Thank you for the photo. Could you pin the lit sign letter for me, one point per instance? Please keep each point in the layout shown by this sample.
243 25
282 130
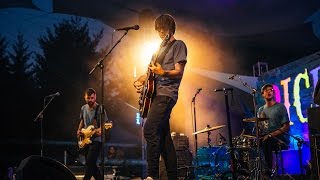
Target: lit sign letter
285 83
296 93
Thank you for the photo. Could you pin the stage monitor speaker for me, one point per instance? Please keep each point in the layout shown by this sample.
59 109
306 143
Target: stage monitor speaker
184 163
314 137
38 167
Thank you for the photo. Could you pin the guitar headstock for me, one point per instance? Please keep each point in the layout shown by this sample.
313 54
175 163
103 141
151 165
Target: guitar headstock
108 125
166 40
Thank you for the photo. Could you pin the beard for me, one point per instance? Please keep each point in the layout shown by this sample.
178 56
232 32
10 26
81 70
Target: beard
269 99
90 104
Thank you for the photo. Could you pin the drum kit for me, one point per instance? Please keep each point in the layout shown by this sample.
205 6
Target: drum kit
215 162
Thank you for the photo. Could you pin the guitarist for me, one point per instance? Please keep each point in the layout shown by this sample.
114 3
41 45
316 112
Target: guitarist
89 116
167 73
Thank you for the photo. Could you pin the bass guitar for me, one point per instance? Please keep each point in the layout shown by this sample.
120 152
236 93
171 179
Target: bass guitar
148 90
87 133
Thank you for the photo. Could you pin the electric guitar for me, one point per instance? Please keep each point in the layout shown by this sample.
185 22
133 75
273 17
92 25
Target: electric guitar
148 90
87 133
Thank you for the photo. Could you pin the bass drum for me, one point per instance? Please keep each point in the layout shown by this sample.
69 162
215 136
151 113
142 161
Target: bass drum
228 175
212 161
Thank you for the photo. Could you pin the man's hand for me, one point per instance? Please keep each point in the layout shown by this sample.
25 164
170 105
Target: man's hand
138 85
98 132
79 133
264 138
156 69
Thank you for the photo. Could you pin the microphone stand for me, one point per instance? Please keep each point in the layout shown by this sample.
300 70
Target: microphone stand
195 124
101 66
233 165
253 92
39 117
300 141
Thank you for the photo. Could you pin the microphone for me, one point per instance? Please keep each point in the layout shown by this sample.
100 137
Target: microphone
53 95
135 27
232 77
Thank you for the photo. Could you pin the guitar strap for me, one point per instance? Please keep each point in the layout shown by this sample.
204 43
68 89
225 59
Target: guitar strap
163 54
96 115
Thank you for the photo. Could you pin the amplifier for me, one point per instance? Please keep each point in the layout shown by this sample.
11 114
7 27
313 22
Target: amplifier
180 141
314 137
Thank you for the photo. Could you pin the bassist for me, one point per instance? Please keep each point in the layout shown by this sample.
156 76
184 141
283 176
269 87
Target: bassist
166 71
89 116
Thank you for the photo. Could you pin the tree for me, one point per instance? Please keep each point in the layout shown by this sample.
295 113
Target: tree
4 60
63 67
19 92
21 68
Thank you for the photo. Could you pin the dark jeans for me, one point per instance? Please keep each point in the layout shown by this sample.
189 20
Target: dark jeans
92 152
268 146
158 137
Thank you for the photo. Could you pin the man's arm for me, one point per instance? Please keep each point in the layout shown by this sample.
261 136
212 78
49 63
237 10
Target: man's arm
98 130
177 72
284 128
81 125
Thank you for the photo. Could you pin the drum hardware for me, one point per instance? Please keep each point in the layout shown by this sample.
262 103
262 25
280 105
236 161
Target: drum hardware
255 119
208 136
248 136
226 98
212 161
222 140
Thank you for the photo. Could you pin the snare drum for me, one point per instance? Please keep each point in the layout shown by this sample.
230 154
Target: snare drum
244 142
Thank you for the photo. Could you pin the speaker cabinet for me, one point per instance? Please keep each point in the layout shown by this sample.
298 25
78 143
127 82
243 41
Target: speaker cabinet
37 167
314 137
184 158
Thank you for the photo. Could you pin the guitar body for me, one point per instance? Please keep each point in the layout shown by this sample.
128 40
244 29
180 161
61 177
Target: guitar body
146 97
87 133
85 137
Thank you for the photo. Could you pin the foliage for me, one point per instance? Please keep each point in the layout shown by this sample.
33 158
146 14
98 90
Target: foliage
68 50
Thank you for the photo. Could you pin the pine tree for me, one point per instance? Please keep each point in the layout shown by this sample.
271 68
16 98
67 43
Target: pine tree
21 68
63 67
4 61
21 90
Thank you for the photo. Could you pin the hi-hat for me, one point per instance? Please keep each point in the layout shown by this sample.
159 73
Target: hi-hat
207 129
255 119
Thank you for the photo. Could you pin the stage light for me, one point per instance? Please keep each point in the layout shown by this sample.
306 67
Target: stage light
147 50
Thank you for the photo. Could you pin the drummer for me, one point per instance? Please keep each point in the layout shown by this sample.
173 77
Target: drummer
275 127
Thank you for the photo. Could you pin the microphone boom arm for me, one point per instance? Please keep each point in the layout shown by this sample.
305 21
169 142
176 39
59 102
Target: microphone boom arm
100 62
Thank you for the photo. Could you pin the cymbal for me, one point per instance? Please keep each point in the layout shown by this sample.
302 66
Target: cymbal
207 129
248 136
254 119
